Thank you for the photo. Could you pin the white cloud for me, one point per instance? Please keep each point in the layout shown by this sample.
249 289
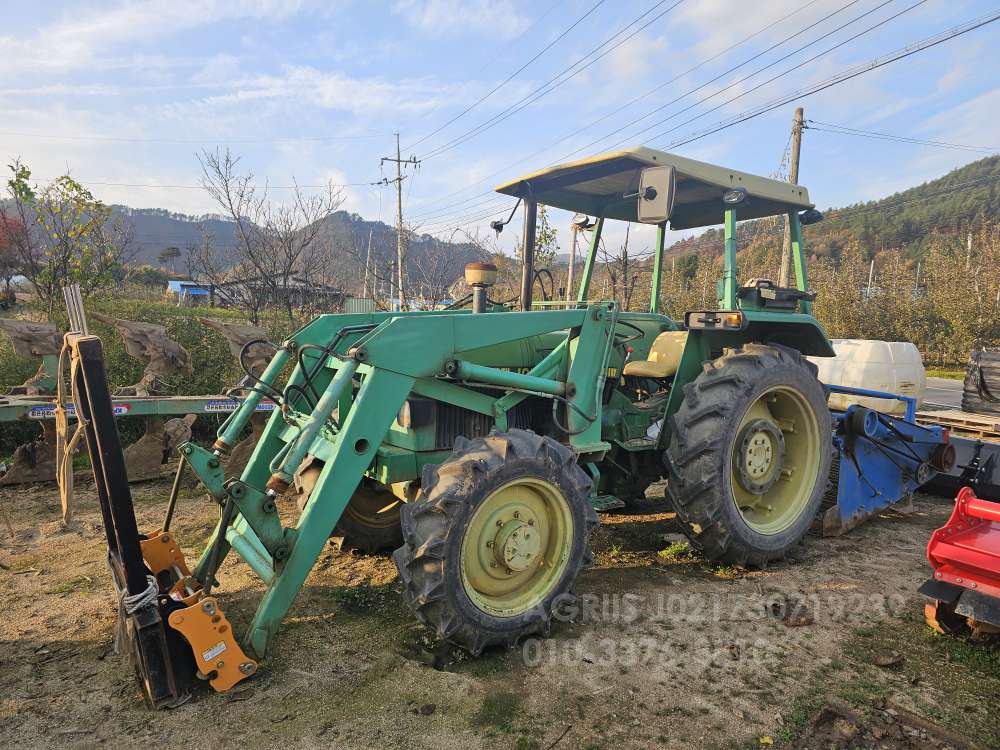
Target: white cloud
436 17
634 59
335 90
81 36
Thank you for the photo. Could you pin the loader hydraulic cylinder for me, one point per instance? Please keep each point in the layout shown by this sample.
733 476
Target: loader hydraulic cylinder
481 374
229 433
282 477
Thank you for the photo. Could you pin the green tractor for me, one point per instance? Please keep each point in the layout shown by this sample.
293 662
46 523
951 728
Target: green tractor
482 441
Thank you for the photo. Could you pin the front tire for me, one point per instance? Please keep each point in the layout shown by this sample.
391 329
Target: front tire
496 539
749 454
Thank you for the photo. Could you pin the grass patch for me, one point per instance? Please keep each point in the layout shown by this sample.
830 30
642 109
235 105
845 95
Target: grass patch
76 583
24 563
949 681
194 537
676 552
952 373
499 710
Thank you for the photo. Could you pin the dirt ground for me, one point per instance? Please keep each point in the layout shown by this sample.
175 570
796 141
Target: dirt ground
662 650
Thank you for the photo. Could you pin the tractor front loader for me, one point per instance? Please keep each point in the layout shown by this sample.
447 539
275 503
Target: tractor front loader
494 435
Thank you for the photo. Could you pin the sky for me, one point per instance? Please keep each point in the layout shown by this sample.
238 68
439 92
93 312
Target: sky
124 95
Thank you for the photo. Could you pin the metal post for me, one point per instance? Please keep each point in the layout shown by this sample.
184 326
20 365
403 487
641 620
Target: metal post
479 298
654 292
573 229
588 267
528 250
728 299
799 259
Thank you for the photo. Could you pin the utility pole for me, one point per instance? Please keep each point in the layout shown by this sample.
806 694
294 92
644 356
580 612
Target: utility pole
798 124
572 262
368 265
400 235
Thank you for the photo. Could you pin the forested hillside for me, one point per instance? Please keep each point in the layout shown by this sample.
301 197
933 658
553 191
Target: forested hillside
961 201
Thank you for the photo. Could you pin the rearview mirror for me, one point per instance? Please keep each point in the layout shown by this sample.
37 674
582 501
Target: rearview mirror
657 186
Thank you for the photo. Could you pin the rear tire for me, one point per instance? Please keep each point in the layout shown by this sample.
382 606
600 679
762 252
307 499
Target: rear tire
495 540
749 454
370 522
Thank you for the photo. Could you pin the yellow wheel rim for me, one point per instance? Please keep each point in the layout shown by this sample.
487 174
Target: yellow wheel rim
373 508
516 547
775 459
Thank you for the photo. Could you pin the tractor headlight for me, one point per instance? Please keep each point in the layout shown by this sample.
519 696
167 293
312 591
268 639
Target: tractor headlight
728 320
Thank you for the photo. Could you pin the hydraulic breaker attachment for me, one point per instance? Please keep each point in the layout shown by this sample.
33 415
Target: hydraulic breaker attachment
174 631
964 593
879 462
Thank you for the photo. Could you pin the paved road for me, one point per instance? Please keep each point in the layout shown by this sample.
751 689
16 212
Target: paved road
943 392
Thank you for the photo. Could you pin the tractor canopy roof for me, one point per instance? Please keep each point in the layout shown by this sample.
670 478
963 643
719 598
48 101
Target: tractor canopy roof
598 186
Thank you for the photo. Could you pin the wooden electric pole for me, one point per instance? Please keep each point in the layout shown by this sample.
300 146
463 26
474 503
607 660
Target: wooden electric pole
798 124
400 234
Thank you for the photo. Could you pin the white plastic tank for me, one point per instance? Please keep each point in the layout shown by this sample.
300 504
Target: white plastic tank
890 366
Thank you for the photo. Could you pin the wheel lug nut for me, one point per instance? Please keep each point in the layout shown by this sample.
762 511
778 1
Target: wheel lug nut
489 543
517 514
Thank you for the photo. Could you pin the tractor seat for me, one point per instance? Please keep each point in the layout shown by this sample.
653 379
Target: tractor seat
664 357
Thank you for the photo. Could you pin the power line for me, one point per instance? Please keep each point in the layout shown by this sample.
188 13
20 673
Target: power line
555 81
860 210
792 69
969 26
737 82
441 211
508 44
757 56
875 135
696 244
835 80
844 76
509 78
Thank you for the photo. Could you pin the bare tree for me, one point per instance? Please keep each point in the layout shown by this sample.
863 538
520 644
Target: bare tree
624 270
277 251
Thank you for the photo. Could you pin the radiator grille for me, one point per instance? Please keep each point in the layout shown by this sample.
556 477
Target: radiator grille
453 421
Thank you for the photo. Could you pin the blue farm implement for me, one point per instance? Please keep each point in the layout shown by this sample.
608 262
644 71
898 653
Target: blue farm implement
879 461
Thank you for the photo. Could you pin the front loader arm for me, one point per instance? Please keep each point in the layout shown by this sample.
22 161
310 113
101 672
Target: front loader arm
368 365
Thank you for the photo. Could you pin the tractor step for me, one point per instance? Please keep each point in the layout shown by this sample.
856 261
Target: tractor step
602 503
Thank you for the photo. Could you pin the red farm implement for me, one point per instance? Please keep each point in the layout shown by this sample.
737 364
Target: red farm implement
965 554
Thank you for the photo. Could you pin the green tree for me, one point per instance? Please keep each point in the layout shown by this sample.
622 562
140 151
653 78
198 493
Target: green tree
168 257
546 240
62 235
